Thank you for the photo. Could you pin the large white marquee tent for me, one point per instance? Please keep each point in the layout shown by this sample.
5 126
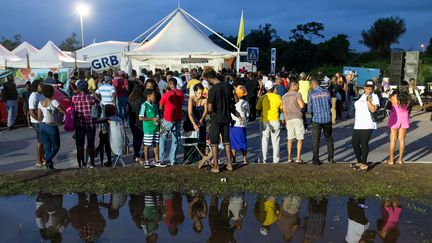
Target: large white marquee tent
50 56
178 42
25 49
6 57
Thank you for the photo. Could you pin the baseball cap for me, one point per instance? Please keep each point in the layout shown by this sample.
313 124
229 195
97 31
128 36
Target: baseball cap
369 83
268 85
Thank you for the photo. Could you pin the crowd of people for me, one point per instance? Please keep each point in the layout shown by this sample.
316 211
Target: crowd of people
215 107
225 216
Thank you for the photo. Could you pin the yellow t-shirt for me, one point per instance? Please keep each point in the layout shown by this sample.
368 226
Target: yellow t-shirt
304 87
272 213
270 106
192 82
91 84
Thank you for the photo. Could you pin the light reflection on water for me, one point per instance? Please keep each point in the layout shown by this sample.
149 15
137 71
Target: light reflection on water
195 217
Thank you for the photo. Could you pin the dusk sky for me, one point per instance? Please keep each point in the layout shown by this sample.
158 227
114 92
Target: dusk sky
41 20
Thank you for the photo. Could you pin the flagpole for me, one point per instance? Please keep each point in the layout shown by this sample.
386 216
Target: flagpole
239 40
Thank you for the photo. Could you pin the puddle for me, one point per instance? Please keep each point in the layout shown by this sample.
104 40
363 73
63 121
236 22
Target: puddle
194 217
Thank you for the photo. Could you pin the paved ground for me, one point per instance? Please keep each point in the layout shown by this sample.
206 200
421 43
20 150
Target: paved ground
17 147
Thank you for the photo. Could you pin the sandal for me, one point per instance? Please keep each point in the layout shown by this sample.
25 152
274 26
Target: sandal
390 163
229 167
300 161
400 162
214 170
363 167
290 161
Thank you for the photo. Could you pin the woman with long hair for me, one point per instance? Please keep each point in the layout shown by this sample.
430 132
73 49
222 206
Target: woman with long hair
48 117
398 122
135 100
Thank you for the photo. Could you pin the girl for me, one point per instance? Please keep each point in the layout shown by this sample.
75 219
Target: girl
136 99
197 112
398 122
238 131
48 117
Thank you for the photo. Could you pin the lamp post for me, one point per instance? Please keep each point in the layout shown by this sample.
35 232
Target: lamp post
82 10
422 46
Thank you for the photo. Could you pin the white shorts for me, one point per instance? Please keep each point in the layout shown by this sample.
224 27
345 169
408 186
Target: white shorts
295 129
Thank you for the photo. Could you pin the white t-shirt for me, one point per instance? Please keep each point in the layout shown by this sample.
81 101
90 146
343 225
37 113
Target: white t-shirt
363 119
45 110
355 231
34 100
162 86
242 107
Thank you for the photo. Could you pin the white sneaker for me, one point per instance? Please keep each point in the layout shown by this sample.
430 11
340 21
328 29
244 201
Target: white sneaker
146 165
159 164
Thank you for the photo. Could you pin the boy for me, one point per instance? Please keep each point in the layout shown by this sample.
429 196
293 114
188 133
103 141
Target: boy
150 117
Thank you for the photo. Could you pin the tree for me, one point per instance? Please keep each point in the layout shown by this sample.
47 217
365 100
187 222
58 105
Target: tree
429 48
70 44
309 31
382 34
11 44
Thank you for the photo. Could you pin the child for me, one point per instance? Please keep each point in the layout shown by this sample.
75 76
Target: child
149 114
238 131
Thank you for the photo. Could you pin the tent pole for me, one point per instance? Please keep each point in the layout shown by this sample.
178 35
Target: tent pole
154 26
208 28
238 59
28 61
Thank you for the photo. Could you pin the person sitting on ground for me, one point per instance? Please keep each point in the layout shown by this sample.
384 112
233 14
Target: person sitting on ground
150 116
292 109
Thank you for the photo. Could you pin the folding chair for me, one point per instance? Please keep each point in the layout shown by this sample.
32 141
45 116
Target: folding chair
189 155
118 141
207 160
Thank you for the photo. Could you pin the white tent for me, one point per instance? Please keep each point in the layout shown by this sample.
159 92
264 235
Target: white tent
50 56
25 49
104 55
6 57
180 43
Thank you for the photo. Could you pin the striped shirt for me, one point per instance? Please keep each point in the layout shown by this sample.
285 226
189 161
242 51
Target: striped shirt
319 104
106 92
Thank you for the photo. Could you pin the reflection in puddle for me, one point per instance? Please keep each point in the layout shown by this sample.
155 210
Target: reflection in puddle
195 217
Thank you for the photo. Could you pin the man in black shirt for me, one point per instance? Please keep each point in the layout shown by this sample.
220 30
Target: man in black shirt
220 98
252 87
10 95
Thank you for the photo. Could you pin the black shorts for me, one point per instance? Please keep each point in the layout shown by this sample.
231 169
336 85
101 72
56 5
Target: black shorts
82 133
216 130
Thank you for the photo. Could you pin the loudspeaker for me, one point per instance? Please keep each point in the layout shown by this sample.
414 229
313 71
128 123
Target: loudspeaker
411 65
397 67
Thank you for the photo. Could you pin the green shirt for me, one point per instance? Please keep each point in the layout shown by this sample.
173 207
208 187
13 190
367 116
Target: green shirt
149 110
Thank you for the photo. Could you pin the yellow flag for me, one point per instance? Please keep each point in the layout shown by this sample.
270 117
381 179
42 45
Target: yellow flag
240 36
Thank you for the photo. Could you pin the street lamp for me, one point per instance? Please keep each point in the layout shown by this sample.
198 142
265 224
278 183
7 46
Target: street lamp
422 46
82 10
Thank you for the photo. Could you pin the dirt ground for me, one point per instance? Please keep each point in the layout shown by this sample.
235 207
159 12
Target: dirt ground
411 180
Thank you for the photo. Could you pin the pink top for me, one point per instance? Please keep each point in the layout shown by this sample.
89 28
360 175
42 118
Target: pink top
390 216
399 117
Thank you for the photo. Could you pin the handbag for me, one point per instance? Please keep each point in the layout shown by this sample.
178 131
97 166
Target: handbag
380 114
53 116
96 111
70 120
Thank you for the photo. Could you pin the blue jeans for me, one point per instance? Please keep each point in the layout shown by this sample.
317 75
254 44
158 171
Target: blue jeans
12 109
169 127
121 107
50 137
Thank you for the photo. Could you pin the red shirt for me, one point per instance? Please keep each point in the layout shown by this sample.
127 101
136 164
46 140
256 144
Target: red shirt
120 85
172 102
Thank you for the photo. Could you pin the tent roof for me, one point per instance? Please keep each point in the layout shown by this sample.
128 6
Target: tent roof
50 56
6 55
23 49
180 37
103 48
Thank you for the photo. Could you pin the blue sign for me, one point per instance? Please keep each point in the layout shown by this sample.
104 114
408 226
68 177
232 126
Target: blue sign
252 54
362 74
105 62
273 61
